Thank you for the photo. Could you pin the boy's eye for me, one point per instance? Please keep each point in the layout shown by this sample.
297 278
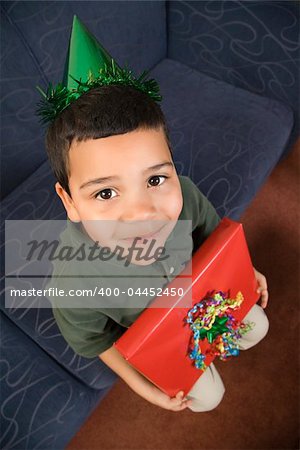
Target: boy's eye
105 194
156 179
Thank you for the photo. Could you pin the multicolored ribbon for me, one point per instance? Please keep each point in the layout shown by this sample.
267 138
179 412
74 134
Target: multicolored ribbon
211 319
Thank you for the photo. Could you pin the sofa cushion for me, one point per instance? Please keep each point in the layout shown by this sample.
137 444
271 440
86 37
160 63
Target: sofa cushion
40 407
252 45
225 138
35 43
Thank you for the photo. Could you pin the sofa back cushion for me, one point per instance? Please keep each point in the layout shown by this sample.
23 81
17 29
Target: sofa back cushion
251 45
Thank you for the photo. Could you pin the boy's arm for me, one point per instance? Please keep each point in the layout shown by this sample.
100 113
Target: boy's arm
139 384
80 328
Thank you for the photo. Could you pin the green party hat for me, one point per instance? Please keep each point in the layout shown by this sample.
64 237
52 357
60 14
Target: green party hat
85 55
88 65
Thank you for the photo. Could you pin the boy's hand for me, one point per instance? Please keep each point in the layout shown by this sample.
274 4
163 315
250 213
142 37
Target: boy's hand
140 384
262 287
177 403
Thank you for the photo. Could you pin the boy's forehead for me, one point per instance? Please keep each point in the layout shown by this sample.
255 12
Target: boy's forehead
137 135
144 146
147 140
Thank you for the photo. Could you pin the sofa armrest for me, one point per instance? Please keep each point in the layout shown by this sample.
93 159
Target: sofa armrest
42 406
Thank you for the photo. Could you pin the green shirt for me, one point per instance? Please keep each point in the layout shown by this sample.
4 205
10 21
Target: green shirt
91 331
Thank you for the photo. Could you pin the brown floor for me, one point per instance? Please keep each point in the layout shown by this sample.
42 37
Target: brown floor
260 407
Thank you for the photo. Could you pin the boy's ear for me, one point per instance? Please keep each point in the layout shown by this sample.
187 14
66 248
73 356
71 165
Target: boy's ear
68 203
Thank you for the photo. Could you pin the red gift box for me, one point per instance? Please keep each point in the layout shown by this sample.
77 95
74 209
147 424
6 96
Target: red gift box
157 343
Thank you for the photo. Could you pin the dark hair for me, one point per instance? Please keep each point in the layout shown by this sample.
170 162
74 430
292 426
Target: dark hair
101 112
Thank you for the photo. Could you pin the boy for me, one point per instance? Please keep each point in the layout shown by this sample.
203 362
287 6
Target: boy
111 155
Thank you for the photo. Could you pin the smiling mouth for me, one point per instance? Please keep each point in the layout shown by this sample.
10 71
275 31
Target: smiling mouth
145 236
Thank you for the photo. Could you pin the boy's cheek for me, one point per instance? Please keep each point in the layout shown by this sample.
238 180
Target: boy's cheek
99 230
174 203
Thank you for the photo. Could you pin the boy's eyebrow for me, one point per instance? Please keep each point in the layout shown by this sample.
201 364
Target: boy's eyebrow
114 177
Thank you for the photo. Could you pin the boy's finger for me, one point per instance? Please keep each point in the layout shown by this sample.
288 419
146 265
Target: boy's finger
179 394
262 290
187 403
264 301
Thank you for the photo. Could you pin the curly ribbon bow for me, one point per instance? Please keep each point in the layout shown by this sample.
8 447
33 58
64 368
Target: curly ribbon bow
214 322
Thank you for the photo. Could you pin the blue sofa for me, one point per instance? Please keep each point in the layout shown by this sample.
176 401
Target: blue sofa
228 77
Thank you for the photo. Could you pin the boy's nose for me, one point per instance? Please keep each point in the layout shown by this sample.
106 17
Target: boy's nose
139 210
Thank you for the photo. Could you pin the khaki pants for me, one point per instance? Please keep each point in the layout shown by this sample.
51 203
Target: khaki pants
209 389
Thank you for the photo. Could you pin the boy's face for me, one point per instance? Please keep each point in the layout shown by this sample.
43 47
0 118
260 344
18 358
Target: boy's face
114 179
